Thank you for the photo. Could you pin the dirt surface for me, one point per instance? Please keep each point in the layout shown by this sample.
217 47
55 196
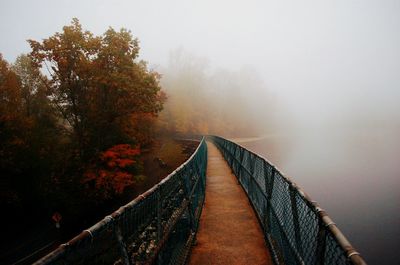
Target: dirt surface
229 231
165 156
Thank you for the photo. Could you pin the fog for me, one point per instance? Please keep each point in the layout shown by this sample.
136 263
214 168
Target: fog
322 78
203 100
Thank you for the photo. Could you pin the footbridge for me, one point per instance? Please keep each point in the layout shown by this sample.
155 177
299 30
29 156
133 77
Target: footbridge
224 205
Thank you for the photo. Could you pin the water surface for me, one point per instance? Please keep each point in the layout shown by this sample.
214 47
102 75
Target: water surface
354 174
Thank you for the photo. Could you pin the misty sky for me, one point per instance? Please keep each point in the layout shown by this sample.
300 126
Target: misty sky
325 59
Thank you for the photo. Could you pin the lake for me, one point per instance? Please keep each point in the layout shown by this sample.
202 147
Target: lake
353 173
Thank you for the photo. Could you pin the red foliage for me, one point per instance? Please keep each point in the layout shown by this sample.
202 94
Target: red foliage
113 173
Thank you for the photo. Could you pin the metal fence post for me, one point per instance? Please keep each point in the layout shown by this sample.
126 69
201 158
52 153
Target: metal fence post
295 214
159 229
321 243
269 188
122 246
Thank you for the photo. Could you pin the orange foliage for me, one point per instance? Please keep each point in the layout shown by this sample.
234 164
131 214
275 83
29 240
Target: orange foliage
97 83
141 127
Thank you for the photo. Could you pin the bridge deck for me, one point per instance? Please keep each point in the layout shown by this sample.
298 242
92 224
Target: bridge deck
229 231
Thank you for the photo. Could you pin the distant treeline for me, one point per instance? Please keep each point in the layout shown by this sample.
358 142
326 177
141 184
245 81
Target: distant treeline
204 100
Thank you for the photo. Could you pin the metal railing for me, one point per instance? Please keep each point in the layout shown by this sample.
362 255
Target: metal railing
296 229
158 226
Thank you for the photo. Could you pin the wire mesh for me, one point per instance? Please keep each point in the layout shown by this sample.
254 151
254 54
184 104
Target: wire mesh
297 230
158 227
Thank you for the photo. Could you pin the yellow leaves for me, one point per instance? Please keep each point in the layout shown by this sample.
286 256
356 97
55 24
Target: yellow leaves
10 90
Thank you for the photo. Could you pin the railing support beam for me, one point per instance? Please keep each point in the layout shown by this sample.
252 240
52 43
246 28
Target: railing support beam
321 244
122 246
296 223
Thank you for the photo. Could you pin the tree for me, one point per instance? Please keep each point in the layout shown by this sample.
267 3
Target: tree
44 134
28 134
10 91
97 83
13 125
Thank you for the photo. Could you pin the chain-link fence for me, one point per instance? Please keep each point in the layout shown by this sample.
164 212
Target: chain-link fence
158 227
297 230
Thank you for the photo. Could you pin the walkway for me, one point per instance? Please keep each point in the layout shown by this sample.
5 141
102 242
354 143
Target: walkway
229 231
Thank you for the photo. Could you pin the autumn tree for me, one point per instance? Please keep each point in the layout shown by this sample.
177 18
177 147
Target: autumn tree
97 84
11 123
103 94
29 137
44 135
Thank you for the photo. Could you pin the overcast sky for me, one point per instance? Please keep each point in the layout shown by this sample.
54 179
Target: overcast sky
320 56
